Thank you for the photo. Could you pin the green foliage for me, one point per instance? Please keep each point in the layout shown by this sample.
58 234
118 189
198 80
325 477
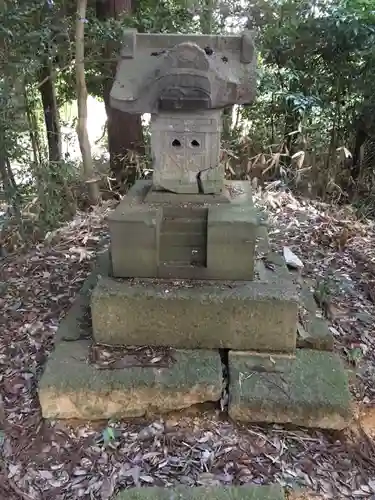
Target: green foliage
316 71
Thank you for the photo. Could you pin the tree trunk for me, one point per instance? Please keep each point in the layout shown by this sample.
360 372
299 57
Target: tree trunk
125 132
84 143
206 17
360 139
51 113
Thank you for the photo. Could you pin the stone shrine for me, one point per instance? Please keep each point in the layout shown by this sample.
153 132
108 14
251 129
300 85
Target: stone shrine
183 276
186 223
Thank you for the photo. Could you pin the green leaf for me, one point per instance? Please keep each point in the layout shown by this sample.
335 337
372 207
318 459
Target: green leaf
2 438
108 435
355 355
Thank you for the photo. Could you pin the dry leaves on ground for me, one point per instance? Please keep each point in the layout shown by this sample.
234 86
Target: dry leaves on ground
47 460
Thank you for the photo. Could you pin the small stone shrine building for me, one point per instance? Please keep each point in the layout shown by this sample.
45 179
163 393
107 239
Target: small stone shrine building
183 273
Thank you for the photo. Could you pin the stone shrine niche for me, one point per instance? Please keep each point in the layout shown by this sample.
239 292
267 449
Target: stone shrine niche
185 149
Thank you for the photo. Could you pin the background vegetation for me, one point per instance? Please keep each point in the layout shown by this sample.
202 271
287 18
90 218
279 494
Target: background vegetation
312 128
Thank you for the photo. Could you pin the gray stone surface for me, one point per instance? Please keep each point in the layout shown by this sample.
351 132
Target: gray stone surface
163 71
307 299
312 391
76 323
184 145
272 266
313 330
315 334
262 240
72 388
237 315
248 492
226 230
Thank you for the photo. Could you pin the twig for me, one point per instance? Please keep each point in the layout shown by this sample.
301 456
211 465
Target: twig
40 84
17 490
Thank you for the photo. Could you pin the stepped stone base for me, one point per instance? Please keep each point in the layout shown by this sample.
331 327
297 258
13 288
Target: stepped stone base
273 492
201 315
311 391
71 388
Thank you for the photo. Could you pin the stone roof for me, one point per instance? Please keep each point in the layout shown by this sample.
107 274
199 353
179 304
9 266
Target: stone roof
188 72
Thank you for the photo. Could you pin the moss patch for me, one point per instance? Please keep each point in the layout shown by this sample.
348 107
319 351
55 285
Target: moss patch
313 391
72 388
317 335
222 493
236 315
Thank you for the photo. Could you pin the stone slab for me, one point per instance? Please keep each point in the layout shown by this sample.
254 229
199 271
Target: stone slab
76 323
252 492
307 299
315 334
196 315
314 392
271 266
235 192
71 388
262 240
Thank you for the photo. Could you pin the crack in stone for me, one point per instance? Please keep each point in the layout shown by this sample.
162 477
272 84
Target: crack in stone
199 179
224 400
199 183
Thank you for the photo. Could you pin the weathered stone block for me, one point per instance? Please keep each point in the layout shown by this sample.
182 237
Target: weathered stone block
199 238
307 299
72 388
312 392
231 238
316 335
184 145
238 315
76 323
252 492
134 234
262 240
232 262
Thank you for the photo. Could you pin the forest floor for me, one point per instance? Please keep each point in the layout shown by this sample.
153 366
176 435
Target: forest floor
50 460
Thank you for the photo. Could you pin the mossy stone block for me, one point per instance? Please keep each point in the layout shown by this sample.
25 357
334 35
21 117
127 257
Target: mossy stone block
273 492
317 335
76 322
198 315
313 392
307 299
72 388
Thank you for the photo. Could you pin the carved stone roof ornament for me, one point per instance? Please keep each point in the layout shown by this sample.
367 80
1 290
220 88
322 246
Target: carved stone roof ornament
184 72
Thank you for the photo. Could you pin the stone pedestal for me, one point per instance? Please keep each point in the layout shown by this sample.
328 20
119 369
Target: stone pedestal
165 235
184 275
269 379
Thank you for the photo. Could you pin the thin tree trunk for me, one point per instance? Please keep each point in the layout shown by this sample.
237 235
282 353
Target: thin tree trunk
206 18
125 132
84 143
51 113
4 177
37 164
